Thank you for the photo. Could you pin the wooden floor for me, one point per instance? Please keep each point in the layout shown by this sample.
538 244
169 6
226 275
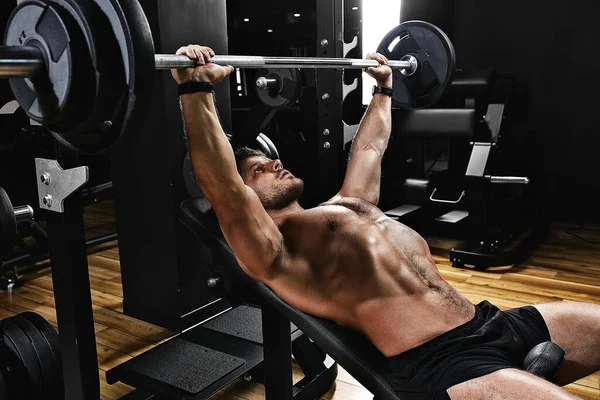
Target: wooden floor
564 268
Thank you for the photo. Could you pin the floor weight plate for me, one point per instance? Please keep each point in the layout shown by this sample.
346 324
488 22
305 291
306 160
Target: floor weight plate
22 346
3 388
51 380
12 371
49 333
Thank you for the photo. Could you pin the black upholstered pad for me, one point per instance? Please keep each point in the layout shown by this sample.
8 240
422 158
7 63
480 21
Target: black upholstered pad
429 122
349 348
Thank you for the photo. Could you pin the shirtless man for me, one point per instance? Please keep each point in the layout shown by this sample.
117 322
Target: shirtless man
346 261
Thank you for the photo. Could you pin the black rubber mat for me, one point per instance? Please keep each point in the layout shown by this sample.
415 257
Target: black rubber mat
184 365
244 322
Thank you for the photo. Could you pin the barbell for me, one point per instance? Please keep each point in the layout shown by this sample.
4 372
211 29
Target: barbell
84 69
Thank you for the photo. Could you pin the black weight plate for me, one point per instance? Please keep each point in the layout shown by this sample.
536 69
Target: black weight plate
3 388
287 91
8 224
132 30
45 357
23 348
96 132
51 336
60 94
12 371
437 61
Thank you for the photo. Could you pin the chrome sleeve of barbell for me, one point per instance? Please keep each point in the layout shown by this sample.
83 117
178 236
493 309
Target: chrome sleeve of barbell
393 64
267 83
519 180
23 213
20 61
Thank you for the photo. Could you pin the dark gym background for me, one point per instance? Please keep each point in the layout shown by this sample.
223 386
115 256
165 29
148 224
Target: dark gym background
550 47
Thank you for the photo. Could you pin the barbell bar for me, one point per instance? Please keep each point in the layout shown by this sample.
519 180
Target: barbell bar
26 61
168 61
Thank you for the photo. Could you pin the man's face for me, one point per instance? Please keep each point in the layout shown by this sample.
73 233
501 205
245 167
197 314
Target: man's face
275 186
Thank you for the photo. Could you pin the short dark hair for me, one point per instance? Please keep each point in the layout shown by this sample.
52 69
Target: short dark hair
243 153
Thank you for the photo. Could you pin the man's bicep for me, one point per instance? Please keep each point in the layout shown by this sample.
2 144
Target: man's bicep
363 176
251 233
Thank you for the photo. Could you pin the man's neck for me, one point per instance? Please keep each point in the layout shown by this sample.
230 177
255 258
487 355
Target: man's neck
284 212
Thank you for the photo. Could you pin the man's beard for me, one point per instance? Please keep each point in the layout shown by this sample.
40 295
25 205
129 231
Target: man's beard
283 198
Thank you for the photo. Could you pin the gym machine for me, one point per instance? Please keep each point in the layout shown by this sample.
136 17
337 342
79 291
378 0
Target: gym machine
466 199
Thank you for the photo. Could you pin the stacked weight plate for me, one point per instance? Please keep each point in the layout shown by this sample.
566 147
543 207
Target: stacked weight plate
30 364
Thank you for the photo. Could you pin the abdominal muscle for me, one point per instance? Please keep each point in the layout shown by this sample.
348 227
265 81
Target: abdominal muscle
370 274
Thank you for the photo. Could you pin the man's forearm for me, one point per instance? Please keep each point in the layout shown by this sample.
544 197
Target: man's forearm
376 125
212 157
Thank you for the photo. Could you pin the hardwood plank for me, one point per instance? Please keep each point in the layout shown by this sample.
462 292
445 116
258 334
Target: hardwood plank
135 327
112 392
123 342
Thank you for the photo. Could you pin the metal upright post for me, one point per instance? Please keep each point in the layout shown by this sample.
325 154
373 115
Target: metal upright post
278 355
59 192
330 32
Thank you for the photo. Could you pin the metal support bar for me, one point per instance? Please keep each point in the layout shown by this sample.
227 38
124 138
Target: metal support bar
70 277
36 256
519 180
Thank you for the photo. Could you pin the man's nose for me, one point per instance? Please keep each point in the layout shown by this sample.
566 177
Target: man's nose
276 165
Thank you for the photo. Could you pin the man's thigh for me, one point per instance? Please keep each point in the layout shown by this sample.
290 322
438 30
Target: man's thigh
508 384
575 327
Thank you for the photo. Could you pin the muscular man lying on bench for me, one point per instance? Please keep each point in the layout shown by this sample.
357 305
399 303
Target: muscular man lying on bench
346 261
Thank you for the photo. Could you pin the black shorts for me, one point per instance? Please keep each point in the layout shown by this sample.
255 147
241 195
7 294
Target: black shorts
491 341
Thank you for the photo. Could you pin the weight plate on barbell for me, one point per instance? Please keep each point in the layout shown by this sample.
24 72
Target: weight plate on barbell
136 49
436 57
287 90
60 95
94 133
8 224
52 382
22 347
107 77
